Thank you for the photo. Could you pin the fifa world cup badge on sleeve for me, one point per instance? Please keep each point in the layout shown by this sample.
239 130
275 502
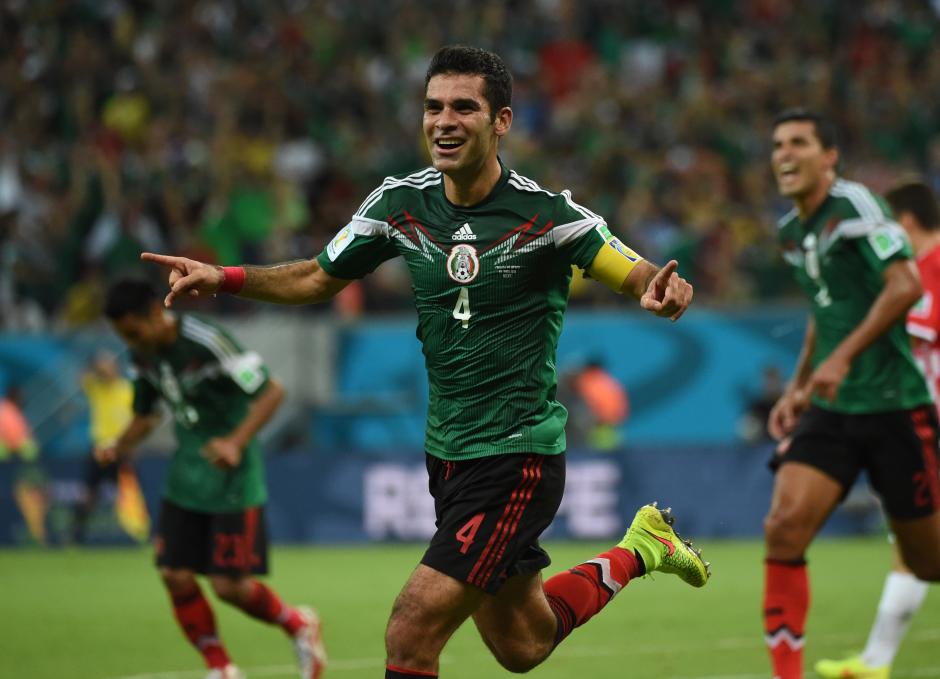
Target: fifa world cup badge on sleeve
885 240
340 242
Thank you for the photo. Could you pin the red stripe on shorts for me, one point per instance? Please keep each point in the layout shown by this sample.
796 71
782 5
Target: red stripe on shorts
520 508
928 443
251 530
508 522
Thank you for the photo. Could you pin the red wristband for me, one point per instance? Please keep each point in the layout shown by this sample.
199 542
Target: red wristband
233 279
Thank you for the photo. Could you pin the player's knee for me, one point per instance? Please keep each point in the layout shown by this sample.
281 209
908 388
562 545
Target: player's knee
924 567
403 636
785 532
227 589
520 658
177 581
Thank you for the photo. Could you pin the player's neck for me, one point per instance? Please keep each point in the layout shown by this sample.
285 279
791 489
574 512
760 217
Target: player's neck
471 189
924 242
808 204
170 327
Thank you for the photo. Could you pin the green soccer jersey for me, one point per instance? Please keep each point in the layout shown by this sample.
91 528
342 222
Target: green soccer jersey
839 256
490 285
208 382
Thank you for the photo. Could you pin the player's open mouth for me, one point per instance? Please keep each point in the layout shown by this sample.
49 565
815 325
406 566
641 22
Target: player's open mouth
788 171
448 144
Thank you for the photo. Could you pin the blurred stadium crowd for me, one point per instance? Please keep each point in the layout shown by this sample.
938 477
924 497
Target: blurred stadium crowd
250 130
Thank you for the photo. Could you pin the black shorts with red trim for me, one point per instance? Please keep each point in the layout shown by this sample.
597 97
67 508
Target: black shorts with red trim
898 449
231 543
490 513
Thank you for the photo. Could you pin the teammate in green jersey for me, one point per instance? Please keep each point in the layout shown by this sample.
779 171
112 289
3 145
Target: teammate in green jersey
857 400
490 255
212 516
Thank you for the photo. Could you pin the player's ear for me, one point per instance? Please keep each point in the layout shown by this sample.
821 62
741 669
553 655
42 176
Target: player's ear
503 121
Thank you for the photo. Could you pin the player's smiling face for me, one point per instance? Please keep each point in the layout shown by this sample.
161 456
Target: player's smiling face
800 163
459 128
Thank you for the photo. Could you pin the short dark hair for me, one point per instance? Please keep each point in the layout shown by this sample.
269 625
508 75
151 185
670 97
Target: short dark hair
919 200
129 297
825 130
465 60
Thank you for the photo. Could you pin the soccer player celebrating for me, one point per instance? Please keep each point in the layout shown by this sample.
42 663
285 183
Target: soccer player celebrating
915 209
490 255
212 517
857 400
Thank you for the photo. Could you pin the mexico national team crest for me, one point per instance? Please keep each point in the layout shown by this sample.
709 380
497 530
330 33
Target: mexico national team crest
463 265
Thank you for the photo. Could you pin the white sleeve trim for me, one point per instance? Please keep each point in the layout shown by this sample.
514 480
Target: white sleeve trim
565 233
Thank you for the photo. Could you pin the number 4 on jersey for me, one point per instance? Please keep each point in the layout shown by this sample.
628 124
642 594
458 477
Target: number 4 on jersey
462 308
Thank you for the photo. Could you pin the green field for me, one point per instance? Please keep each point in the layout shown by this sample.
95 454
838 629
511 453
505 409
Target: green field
101 614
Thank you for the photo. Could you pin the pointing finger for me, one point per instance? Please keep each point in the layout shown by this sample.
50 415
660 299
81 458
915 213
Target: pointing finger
165 260
665 273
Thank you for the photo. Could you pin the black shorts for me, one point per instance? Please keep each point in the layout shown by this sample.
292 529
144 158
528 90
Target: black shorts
231 543
898 449
490 513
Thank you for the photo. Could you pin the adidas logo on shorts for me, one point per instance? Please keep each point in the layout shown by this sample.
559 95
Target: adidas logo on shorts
464 233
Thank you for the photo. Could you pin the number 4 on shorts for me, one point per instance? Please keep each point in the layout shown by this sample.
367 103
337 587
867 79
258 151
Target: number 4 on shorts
466 534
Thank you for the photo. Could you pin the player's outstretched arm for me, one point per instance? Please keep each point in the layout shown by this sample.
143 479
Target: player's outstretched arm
795 398
660 291
301 282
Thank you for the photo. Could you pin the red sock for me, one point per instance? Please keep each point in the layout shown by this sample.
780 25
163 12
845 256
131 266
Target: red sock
195 617
264 604
786 603
392 672
578 594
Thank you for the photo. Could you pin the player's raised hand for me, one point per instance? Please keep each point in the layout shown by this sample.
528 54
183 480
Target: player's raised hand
187 276
668 294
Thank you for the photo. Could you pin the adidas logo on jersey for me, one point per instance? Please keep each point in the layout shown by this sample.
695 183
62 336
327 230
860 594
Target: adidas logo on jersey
464 233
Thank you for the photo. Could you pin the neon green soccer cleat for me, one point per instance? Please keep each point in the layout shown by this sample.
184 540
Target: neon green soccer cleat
662 549
851 668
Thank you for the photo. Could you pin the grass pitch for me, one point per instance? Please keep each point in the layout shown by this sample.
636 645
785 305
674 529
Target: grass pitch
102 614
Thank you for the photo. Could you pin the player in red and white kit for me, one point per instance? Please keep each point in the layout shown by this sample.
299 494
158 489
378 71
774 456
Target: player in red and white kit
915 208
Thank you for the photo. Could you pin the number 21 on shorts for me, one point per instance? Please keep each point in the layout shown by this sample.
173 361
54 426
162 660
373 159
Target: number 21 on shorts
462 308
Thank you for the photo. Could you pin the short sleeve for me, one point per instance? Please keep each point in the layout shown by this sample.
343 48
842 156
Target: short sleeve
245 368
883 243
579 241
358 249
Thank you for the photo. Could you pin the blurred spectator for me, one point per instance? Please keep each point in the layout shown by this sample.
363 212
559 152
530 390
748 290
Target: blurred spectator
248 131
597 406
18 447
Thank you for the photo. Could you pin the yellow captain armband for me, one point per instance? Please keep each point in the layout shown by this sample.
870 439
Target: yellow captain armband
613 263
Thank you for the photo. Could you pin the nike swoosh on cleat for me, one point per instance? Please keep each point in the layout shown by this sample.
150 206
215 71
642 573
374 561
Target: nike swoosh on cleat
672 547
